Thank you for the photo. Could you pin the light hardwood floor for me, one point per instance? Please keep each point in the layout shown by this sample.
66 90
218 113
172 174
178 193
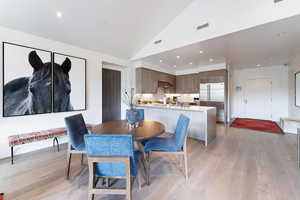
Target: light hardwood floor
239 164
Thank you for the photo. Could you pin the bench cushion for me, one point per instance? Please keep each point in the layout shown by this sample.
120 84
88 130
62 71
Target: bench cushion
19 139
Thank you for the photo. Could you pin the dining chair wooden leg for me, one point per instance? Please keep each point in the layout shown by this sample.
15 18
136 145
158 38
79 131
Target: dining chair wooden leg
148 167
107 182
185 159
128 181
69 164
186 166
138 179
82 156
92 180
139 175
91 196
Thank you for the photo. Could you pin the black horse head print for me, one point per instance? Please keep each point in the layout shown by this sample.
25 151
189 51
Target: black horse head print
33 95
62 86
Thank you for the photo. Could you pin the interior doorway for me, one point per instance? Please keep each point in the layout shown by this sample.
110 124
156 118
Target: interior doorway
111 95
258 99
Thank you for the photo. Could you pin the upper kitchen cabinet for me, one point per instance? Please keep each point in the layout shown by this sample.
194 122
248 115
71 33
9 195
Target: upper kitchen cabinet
168 81
216 76
187 84
148 81
164 77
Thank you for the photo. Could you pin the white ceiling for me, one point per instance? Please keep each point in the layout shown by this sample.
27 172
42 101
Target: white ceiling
270 44
116 27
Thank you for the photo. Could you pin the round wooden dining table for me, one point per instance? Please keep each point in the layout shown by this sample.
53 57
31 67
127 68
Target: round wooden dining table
146 129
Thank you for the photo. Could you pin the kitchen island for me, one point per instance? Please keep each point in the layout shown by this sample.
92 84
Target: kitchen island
202 119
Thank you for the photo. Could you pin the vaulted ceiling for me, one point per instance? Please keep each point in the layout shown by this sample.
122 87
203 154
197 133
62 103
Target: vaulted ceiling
275 43
128 29
116 27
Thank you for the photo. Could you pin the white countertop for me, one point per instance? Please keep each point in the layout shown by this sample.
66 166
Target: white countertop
173 107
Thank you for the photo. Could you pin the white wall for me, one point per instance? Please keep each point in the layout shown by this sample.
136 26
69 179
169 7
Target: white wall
201 69
280 96
93 114
166 69
224 17
293 68
294 111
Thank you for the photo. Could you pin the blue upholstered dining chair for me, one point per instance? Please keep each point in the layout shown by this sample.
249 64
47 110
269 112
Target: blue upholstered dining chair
173 145
111 156
76 130
141 114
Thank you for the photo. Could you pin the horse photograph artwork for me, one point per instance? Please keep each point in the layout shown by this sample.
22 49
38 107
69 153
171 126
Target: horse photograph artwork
35 82
27 80
69 83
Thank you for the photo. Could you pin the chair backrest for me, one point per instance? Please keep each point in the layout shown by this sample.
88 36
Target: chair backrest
76 129
109 145
181 131
141 114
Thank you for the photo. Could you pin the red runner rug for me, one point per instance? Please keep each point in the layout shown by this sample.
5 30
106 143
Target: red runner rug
257 125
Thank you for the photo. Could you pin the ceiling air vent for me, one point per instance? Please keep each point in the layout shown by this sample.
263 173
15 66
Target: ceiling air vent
277 1
202 26
157 41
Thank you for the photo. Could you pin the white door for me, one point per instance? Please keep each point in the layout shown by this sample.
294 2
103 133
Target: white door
258 99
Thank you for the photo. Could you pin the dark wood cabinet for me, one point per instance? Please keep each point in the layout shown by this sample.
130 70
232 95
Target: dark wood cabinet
216 76
187 84
147 81
169 78
179 83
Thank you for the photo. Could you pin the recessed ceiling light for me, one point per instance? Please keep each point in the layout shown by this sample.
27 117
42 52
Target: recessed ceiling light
258 65
160 61
59 14
211 60
202 26
175 66
201 52
277 1
191 63
281 34
157 41
177 57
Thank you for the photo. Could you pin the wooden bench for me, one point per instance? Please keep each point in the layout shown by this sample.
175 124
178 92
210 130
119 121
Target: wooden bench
283 119
36 136
288 119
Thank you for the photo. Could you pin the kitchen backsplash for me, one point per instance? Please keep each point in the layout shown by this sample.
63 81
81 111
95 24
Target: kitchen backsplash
160 97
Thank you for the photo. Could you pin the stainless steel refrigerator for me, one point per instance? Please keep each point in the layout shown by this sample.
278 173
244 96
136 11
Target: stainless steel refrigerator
213 94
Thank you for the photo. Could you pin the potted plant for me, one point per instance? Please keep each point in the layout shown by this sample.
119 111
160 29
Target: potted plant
132 114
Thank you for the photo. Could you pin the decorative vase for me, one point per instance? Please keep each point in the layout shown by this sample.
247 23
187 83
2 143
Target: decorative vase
132 116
